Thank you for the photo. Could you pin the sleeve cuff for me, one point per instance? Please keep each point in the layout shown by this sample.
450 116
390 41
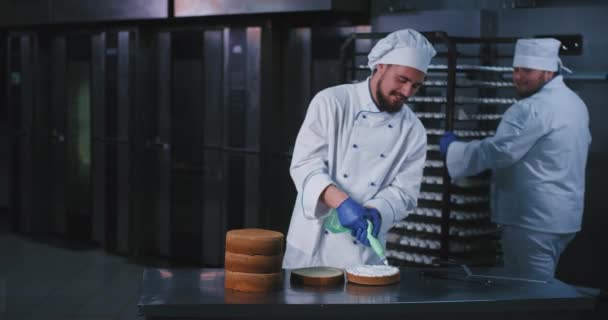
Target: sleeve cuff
313 186
386 211
455 159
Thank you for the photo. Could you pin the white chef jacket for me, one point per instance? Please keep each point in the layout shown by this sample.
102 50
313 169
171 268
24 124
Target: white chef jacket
538 157
377 158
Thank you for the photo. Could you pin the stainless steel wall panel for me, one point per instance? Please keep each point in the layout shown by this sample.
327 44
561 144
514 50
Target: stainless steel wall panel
252 192
110 141
187 114
161 144
297 94
144 208
25 132
39 134
241 176
186 216
94 10
5 143
78 138
58 147
214 214
242 115
4 75
213 60
21 13
98 166
123 199
236 89
189 8
123 84
123 167
111 179
466 23
187 91
253 79
351 6
280 201
242 120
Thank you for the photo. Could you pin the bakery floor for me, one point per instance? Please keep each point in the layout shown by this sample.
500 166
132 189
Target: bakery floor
46 278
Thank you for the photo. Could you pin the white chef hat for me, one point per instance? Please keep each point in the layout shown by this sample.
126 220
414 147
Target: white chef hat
403 47
538 54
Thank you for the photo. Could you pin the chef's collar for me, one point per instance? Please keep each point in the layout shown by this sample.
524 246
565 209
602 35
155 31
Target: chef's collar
365 96
364 91
554 82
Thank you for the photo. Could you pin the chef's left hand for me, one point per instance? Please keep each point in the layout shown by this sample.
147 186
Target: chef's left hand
445 141
361 235
373 215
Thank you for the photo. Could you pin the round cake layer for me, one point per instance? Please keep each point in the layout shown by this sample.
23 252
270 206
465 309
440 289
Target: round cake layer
255 241
373 275
317 276
368 270
253 263
253 282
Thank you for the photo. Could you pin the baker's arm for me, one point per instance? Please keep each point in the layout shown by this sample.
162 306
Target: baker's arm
520 128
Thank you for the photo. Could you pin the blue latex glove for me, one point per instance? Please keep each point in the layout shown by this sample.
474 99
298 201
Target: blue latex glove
372 215
361 236
350 214
445 142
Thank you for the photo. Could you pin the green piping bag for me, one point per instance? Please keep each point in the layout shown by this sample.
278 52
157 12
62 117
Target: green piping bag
332 223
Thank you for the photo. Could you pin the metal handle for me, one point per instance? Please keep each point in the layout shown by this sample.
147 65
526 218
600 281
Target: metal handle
111 140
20 133
157 142
57 136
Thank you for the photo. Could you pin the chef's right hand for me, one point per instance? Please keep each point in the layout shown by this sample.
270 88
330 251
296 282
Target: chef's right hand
350 214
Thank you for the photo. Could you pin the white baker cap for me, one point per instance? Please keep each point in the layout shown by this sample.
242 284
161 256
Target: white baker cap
404 47
538 54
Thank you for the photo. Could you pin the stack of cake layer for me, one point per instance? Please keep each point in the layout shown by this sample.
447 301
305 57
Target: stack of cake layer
253 260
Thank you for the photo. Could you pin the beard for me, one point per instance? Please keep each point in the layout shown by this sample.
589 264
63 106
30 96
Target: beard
384 102
522 94
533 86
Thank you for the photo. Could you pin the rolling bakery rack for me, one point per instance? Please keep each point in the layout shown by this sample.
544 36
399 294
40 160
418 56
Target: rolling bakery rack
467 89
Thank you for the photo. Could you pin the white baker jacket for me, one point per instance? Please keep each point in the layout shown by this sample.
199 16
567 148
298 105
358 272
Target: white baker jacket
377 158
538 157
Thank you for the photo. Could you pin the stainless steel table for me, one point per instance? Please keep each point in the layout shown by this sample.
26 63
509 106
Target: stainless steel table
421 294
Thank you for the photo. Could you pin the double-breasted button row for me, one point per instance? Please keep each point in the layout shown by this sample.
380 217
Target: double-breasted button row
356 146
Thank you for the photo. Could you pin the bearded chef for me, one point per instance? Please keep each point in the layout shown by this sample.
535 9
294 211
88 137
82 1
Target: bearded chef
359 155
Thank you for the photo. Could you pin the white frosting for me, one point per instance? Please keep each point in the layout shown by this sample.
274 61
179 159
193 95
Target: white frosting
373 270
